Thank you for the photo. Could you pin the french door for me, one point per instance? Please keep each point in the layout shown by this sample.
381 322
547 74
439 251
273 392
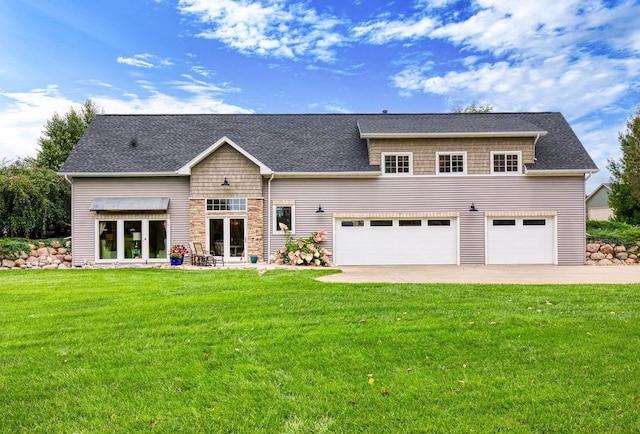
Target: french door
131 240
227 237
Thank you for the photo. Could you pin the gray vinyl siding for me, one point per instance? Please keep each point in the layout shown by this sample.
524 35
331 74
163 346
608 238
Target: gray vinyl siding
563 196
86 189
472 245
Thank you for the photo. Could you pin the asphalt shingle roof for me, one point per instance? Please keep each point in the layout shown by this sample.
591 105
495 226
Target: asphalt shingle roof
296 142
446 123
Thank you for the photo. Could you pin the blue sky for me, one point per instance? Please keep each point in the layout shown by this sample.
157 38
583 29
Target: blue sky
579 57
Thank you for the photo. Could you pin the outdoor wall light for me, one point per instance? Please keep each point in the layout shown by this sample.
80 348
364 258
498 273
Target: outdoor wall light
225 183
319 209
473 207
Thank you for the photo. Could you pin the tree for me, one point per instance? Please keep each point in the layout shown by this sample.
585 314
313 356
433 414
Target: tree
624 198
34 200
61 134
473 108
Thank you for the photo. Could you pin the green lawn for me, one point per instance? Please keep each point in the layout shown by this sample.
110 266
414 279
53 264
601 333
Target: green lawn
234 352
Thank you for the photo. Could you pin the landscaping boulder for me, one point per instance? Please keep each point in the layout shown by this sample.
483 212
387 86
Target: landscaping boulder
7 263
598 256
593 247
622 256
605 262
619 249
606 249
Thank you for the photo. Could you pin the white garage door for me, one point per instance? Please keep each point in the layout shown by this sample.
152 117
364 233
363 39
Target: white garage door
520 240
396 241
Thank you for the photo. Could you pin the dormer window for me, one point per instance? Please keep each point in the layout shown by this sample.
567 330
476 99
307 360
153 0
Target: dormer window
505 163
397 163
451 163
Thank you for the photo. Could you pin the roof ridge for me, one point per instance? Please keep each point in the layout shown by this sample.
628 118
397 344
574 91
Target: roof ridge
322 114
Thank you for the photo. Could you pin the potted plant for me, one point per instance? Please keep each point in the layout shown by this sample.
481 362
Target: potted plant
176 254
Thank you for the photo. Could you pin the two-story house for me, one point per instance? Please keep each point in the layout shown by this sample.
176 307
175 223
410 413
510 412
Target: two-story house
474 188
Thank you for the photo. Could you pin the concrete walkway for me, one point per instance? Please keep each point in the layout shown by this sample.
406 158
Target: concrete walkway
525 274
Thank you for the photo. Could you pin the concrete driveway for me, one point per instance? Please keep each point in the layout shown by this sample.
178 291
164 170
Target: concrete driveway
526 274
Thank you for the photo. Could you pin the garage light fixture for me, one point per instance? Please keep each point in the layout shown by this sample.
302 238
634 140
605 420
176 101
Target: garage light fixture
319 209
473 207
225 183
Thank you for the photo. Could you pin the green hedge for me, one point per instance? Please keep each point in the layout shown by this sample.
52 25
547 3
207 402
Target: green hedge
612 232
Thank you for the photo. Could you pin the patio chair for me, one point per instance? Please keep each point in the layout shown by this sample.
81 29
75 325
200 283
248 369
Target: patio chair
218 251
204 258
195 259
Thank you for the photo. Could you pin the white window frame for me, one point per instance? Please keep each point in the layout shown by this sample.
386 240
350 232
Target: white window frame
239 202
144 246
505 153
451 153
383 156
276 229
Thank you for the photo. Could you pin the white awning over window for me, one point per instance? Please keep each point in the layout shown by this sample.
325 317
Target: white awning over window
120 204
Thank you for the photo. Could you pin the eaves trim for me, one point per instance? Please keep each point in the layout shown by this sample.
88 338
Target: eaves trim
559 172
368 174
186 169
453 135
117 174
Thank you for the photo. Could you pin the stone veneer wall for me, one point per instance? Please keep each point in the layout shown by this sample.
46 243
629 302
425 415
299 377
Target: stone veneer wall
197 231
255 223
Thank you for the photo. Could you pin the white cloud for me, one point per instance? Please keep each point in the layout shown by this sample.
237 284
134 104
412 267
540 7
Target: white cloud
336 107
145 60
382 32
201 70
200 87
267 28
524 29
161 103
22 119
557 83
433 3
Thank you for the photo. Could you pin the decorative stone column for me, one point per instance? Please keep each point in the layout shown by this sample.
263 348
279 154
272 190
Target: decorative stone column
197 221
255 229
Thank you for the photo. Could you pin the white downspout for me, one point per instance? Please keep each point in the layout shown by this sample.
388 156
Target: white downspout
534 146
273 174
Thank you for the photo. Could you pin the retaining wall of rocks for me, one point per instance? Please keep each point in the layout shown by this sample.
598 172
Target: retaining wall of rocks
59 256
611 254
41 256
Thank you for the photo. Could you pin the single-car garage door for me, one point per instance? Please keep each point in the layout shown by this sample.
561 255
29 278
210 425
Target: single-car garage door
385 241
520 240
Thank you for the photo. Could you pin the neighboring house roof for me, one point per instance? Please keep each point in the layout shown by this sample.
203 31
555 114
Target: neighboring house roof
300 143
606 186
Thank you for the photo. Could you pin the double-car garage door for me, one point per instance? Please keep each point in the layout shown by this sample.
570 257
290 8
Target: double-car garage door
396 241
436 240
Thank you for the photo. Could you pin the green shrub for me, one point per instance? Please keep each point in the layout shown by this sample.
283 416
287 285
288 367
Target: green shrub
613 232
10 248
